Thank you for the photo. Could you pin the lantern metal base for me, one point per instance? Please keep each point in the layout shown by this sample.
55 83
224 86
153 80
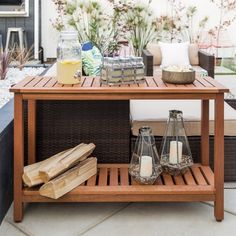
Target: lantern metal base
176 169
134 171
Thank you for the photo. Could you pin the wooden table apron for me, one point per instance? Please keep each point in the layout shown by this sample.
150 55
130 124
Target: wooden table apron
203 95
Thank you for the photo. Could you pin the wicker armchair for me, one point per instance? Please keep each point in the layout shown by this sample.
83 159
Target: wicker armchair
206 61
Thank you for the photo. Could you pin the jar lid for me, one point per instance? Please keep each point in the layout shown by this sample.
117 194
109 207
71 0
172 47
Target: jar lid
69 34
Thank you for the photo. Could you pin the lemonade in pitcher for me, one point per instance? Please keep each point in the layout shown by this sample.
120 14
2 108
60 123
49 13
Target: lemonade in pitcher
69 71
69 62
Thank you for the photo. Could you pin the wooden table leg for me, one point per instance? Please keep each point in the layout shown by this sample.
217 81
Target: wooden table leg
205 133
31 131
219 157
18 156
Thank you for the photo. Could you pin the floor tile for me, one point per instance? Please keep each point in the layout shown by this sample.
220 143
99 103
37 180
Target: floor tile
7 229
152 219
63 219
229 201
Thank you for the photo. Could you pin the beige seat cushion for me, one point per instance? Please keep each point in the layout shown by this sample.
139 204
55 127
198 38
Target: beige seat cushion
154 113
155 50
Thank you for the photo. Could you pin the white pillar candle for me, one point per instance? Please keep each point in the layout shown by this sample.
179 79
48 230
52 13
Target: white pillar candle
146 166
173 157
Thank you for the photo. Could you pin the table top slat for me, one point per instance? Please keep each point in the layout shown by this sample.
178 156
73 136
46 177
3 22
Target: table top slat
92 85
180 86
51 82
58 85
173 85
198 84
43 82
143 84
33 82
151 82
106 86
24 82
88 82
214 83
68 85
190 85
205 82
159 82
79 85
96 82
133 85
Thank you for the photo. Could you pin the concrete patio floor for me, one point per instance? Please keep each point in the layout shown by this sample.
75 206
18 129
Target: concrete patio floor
129 219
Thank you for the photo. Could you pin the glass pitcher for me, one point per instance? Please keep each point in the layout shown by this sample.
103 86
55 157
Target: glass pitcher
69 62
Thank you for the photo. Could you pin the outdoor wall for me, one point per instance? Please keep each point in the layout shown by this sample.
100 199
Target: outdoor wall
49 35
26 22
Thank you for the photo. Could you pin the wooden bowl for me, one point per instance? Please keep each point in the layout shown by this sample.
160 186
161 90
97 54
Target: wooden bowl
174 77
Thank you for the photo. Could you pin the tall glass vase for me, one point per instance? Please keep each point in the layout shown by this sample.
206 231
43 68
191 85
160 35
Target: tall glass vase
145 164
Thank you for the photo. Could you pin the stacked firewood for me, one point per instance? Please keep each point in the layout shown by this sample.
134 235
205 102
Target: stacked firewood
62 172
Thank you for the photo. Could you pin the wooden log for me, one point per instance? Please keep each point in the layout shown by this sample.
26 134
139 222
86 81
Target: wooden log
55 168
70 179
31 175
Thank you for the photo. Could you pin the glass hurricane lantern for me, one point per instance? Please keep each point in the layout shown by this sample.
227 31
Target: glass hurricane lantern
176 155
145 165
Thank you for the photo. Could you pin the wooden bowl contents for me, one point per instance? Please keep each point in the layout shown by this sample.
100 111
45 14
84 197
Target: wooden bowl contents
178 75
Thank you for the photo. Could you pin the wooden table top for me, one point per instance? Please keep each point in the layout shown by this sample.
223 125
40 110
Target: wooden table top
92 85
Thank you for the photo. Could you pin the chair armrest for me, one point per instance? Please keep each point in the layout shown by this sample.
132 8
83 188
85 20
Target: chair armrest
207 62
148 62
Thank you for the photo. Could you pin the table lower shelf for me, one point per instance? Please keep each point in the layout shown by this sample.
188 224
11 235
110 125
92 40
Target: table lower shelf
113 184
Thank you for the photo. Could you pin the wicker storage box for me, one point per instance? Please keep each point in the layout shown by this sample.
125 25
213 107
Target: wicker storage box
64 124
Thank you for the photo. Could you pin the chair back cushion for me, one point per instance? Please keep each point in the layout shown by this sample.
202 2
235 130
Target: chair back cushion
155 50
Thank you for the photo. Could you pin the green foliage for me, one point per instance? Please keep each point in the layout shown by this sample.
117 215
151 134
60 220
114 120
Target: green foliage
141 26
105 27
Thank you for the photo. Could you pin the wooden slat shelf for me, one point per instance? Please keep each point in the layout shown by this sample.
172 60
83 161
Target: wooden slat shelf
114 181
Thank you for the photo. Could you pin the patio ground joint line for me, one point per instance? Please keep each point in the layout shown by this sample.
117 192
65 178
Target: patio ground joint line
16 226
227 211
104 219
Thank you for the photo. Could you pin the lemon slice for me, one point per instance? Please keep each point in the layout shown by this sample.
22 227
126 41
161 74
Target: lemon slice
69 62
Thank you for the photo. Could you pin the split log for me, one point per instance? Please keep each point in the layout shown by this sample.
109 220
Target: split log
70 179
55 168
31 175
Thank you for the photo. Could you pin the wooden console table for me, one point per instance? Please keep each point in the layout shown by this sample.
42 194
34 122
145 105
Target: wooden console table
112 183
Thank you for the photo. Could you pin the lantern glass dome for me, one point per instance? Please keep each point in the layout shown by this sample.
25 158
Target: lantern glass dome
175 152
145 165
